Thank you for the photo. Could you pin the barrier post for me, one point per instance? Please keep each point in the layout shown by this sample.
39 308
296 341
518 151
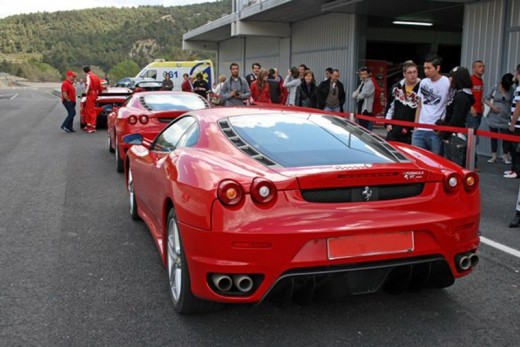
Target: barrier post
351 117
471 149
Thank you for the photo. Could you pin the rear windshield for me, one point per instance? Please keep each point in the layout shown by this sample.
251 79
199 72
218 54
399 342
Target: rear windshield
173 101
303 140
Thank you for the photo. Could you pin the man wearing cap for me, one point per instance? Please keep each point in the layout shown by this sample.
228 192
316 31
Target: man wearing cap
68 98
93 87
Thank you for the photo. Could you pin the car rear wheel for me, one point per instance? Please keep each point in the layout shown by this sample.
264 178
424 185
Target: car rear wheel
119 161
184 302
131 193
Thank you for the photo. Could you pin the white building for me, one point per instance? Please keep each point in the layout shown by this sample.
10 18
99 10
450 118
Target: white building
344 34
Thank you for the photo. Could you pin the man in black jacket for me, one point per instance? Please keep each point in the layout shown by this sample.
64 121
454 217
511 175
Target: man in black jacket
331 93
403 104
252 76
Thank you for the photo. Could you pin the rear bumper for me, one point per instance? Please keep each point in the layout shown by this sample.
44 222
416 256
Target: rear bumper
296 254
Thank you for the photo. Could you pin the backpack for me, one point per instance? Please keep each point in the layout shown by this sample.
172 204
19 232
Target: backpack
377 108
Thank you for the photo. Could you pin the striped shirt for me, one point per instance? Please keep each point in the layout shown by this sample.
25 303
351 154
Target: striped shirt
516 98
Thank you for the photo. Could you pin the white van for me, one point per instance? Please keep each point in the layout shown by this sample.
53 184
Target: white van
176 69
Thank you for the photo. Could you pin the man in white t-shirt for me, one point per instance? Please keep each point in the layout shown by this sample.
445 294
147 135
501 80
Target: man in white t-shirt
433 96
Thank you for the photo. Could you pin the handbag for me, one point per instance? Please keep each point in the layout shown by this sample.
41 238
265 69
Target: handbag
487 108
215 100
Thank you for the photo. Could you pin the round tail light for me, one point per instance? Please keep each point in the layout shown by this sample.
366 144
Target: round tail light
263 191
132 120
452 182
230 193
143 119
470 181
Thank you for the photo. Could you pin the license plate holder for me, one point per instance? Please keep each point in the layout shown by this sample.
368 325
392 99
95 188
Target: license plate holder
362 245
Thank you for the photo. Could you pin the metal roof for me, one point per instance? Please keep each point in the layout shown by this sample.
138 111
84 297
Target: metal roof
447 15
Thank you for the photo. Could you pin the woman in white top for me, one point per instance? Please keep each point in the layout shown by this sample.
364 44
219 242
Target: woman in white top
217 87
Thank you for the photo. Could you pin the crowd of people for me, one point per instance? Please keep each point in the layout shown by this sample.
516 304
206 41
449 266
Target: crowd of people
455 100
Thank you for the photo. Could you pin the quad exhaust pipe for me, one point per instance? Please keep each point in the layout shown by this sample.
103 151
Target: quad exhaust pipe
466 261
225 283
222 282
244 283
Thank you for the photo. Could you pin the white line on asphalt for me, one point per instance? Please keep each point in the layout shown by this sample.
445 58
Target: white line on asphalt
500 246
14 96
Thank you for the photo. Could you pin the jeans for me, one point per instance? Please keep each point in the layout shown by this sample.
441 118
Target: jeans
473 122
70 106
427 140
366 123
333 109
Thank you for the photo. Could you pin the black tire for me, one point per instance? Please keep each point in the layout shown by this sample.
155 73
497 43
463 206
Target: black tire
119 162
132 199
184 302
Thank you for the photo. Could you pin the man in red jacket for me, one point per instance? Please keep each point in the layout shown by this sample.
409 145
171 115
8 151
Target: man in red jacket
93 87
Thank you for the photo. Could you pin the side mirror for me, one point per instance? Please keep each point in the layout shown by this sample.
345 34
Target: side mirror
133 139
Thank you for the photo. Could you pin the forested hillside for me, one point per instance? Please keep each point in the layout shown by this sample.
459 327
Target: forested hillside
101 37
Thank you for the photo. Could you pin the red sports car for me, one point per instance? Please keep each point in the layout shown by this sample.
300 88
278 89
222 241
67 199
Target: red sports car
246 202
148 113
111 98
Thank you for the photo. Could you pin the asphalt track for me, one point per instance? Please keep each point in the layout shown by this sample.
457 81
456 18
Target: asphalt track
75 270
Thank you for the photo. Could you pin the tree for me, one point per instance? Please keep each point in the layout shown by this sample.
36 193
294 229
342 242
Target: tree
5 66
125 68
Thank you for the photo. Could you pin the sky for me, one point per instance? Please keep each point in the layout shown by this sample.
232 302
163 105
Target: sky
12 7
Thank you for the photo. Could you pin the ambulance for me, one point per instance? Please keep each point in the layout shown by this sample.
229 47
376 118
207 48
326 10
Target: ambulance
176 69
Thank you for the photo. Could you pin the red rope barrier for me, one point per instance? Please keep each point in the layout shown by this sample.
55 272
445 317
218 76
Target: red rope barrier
484 133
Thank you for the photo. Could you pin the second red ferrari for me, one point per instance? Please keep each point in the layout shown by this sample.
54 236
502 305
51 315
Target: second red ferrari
147 113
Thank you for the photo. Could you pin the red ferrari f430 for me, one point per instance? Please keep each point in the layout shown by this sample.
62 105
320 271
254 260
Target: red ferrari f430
247 202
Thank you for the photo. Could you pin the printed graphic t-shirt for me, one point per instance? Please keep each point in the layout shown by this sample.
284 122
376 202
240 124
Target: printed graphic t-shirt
434 96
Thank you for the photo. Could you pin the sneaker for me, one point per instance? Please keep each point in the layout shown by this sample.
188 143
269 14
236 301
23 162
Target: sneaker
65 129
72 130
507 172
511 175
515 222
492 160
507 161
91 130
